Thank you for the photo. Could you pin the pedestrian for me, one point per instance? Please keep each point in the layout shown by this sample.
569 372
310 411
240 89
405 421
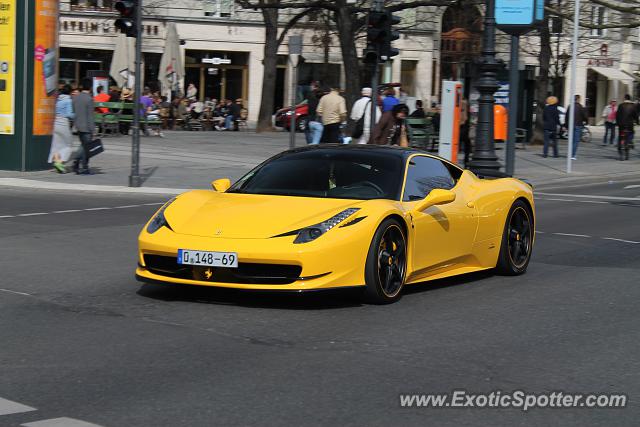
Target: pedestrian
609 116
551 121
83 107
389 100
418 113
464 130
391 129
626 116
581 118
101 96
146 107
313 130
333 109
61 143
192 92
361 115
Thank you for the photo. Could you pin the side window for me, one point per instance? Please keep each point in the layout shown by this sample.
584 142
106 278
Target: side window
425 174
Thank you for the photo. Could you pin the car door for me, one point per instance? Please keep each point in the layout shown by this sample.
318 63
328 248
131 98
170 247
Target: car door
442 235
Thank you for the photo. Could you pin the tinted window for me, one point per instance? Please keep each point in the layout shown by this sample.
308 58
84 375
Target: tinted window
331 173
425 174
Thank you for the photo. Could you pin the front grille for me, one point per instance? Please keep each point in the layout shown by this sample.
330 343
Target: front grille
246 273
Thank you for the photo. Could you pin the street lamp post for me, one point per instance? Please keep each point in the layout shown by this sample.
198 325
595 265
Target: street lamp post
135 180
484 159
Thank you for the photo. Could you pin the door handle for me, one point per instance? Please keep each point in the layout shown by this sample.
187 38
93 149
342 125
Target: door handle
471 205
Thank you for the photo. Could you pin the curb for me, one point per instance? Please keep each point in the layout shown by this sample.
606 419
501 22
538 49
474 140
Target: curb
41 185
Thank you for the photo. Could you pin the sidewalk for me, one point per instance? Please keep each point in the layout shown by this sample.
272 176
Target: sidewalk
187 160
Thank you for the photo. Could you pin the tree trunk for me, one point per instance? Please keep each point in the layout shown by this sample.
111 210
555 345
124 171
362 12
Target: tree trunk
347 36
270 63
542 83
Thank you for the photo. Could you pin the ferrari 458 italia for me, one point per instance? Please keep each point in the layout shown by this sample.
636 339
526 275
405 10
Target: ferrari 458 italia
373 217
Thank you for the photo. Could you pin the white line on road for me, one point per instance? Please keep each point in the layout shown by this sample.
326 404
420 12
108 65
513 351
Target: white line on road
629 187
34 214
590 196
6 216
97 209
60 422
30 183
67 211
8 407
127 207
15 292
621 240
592 201
540 232
572 235
560 200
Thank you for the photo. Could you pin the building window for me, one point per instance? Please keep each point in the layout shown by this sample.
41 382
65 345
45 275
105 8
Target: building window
218 8
555 25
597 18
92 5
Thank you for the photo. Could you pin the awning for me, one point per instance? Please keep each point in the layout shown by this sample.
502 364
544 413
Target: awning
614 74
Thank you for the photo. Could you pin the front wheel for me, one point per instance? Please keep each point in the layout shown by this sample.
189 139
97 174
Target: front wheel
386 266
517 241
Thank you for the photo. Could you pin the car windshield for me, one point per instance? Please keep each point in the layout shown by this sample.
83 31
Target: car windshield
327 173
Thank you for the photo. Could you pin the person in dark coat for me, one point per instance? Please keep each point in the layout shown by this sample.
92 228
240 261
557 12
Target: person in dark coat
551 119
391 129
626 118
581 118
418 113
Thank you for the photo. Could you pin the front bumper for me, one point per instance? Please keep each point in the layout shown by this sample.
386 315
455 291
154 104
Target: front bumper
335 260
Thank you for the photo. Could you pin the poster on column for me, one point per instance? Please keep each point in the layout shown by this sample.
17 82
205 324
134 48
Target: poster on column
7 65
45 70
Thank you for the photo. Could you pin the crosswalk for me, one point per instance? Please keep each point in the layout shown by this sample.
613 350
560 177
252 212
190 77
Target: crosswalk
9 407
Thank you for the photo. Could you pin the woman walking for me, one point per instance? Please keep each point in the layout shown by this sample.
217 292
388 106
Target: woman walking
62 138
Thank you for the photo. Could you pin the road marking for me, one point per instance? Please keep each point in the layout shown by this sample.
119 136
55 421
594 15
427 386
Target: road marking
540 232
572 235
60 422
81 210
67 211
97 209
127 207
34 214
14 292
589 196
6 216
629 187
154 204
621 240
592 201
8 407
561 200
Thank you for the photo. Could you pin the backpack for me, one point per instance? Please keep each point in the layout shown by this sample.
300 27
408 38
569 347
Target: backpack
358 130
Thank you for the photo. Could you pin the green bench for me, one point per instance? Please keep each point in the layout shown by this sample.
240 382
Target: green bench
419 132
121 112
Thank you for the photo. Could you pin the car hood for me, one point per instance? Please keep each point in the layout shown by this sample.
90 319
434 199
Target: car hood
249 216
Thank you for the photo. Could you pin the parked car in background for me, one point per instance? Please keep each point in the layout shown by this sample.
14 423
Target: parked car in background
283 117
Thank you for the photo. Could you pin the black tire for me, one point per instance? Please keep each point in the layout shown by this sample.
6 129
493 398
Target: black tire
517 240
385 270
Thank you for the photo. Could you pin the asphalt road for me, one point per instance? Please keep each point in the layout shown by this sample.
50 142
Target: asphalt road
81 339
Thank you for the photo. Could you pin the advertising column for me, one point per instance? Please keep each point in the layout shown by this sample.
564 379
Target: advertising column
45 74
7 66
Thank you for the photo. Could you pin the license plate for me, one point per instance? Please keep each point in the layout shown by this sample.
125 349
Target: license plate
208 259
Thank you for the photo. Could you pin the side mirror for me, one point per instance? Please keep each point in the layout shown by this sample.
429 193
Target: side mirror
436 197
221 185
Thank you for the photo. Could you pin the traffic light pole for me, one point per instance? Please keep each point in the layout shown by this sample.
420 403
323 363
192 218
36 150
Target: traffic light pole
514 93
374 99
134 179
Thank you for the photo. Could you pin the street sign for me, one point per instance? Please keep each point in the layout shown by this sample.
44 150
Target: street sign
517 17
216 61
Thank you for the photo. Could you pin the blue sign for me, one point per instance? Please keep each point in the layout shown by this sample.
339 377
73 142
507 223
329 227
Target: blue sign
539 10
515 12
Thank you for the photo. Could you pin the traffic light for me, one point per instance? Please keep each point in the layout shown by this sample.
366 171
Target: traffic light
380 35
127 21
387 51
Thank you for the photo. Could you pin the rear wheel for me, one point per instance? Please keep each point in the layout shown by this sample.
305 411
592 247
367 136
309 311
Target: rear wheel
517 240
386 265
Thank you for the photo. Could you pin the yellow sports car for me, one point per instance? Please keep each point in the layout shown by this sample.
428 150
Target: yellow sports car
321 217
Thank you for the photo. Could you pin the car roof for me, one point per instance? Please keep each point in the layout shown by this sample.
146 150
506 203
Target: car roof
392 150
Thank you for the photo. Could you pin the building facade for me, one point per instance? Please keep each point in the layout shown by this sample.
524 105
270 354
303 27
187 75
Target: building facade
436 43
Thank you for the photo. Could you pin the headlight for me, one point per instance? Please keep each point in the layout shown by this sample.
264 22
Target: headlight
159 221
310 234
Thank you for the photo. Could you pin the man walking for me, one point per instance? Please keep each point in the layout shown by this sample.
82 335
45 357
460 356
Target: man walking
626 117
551 119
609 116
84 108
333 109
580 117
361 114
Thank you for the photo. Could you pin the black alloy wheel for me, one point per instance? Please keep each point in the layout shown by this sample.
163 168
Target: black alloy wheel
517 241
386 267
